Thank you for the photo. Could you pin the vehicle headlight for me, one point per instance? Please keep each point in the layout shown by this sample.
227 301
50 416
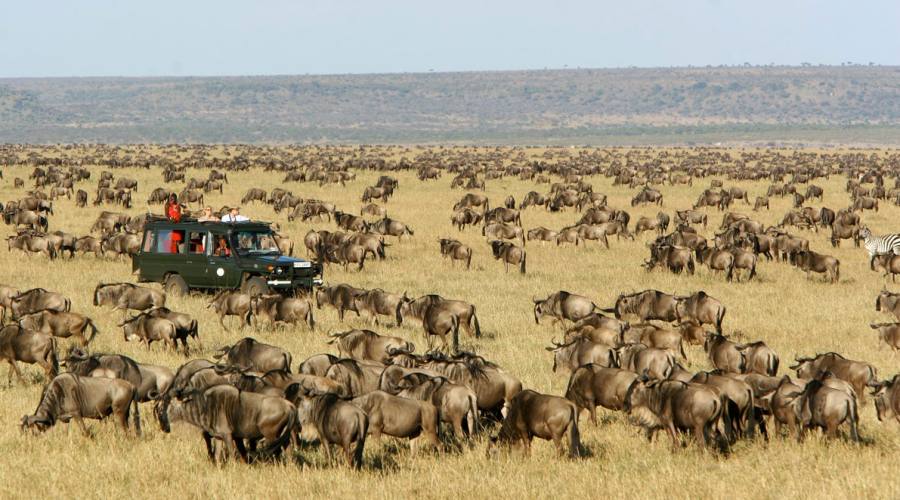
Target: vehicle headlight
279 270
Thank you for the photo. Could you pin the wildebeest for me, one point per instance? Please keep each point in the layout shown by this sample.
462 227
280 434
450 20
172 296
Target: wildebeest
391 227
231 415
581 351
701 309
502 231
366 344
456 250
760 358
232 303
691 217
32 347
248 354
335 421
655 363
673 405
887 399
858 374
761 202
342 297
660 223
276 308
509 253
887 264
254 194
827 408
647 195
440 316
674 258
149 329
809 261
69 396
60 324
532 414
502 214
399 417
646 305
37 299
563 306
455 403
465 217
473 200
738 399
725 355
592 385
889 303
125 296
355 377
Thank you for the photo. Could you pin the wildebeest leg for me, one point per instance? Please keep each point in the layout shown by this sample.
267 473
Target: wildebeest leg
232 444
222 323
210 450
593 411
670 430
14 368
80 422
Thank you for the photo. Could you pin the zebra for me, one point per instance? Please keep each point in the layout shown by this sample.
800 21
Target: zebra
879 245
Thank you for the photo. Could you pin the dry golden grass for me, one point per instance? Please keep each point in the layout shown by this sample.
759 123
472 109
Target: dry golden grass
793 315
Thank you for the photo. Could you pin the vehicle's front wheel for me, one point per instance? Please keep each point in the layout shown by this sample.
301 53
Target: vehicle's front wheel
176 286
255 286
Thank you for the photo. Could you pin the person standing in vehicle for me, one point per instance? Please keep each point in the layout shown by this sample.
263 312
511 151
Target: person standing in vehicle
173 209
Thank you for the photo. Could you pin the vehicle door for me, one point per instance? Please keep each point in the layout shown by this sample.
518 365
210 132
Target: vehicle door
222 266
195 269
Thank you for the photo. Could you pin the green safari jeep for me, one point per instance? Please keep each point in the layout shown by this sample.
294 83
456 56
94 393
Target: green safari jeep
204 255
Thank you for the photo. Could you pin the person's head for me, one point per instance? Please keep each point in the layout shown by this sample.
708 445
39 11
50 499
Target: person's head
173 198
235 211
221 242
207 211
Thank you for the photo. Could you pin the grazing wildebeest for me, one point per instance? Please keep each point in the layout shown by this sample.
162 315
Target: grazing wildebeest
37 299
30 243
738 400
248 354
858 374
563 306
889 303
377 302
673 405
391 227
660 224
509 253
456 250
31 347
232 303
532 414
473 200
226 413
60 324
541 234
691 217
368 345
494 387
647 195
276 308
888 264
465 217
400 417
355 377
809 261
593 385
501 214
69 396
581 351
254 194
455 403
342 297
700 309
335 421
125 296
761 202
533 198
185 325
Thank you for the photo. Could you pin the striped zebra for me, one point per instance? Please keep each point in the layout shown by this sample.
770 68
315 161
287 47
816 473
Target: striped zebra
879 245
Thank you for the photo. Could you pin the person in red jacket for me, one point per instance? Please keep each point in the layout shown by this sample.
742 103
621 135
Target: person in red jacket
173 213
173 209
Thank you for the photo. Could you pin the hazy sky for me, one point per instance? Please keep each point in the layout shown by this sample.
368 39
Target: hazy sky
231 37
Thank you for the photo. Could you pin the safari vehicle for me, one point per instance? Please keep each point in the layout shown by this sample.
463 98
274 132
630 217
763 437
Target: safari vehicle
205 255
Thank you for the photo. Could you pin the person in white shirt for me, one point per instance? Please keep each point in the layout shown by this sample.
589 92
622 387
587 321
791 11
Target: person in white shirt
234 216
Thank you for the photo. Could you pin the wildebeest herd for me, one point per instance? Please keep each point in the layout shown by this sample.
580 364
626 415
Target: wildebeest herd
410 365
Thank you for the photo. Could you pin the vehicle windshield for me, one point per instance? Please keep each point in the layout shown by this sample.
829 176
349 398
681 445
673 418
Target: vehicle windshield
255 242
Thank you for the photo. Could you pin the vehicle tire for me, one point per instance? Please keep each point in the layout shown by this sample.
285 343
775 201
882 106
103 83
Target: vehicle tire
176 286
255 286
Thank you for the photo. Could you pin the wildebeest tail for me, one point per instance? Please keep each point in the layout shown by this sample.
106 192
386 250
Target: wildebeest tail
53 358
68 305
287 362
363 426
278 444
690 265
310 320
93 328
454 324
522 264
720 315
469 259
137 412
574 435
52 251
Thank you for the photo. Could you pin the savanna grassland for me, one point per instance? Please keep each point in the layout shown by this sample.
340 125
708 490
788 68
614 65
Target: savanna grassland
792 315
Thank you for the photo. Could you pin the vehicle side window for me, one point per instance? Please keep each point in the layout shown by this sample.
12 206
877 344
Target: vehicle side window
221 248
170 241
197 242
150 242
